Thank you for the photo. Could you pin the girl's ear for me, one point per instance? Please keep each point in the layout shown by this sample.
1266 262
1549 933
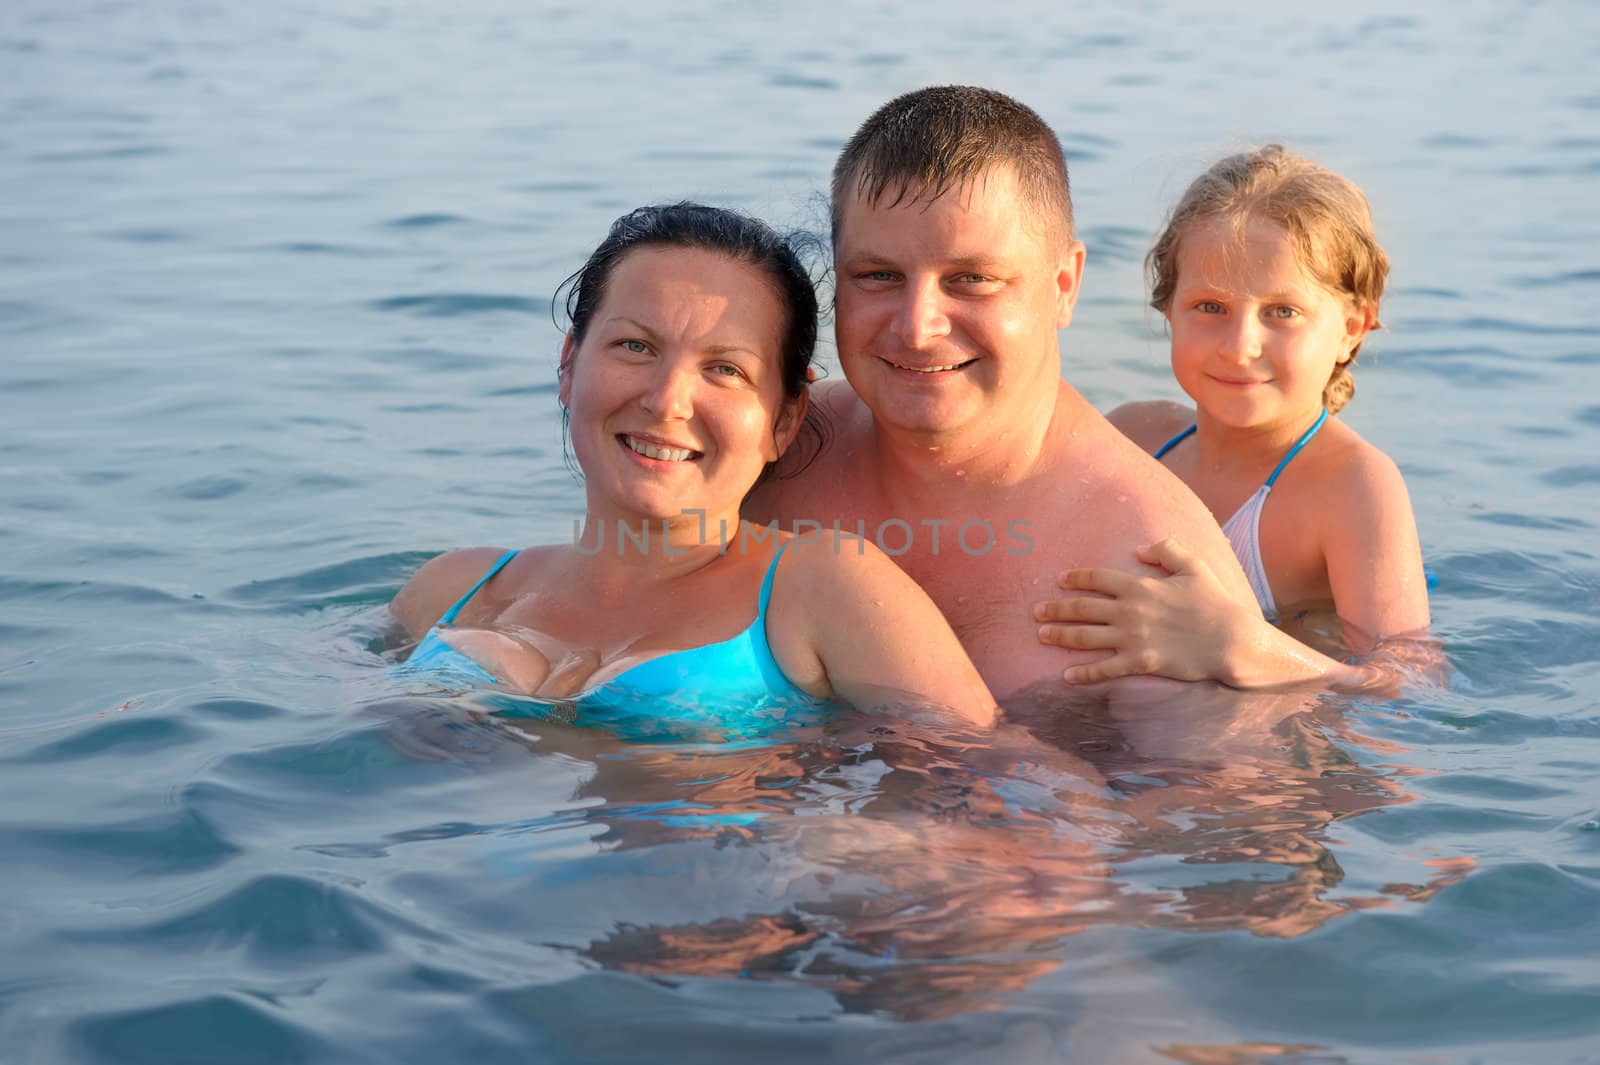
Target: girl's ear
1358 322
790 418
564 370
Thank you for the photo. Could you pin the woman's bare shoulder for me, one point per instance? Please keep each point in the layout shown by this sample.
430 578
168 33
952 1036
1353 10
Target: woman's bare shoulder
440 581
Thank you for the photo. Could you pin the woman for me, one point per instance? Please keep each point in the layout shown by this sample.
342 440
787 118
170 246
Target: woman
683 377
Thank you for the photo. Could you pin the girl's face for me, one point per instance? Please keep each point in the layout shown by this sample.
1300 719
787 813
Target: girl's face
1255 337
675 393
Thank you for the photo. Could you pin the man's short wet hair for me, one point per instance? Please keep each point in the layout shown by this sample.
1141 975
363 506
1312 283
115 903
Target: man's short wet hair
921 145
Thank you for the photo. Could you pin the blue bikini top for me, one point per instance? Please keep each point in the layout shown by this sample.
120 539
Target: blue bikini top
732 689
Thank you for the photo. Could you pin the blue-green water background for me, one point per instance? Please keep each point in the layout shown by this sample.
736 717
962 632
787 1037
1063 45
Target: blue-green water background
274 295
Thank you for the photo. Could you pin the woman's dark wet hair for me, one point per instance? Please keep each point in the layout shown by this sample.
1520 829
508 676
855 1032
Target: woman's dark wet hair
739 237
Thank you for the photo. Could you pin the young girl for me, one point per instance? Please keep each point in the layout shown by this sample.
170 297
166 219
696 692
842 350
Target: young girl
1269 276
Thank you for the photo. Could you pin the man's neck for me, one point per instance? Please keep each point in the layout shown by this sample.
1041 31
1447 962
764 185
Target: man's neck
984 456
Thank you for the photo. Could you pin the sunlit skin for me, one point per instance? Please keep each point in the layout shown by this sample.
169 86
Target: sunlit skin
680 357
676 404
947 319
1255 338
947 328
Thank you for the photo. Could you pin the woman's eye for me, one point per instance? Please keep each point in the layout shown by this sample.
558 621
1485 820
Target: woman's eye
724 369
638 347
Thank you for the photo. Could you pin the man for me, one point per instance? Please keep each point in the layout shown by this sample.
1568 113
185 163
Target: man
956 446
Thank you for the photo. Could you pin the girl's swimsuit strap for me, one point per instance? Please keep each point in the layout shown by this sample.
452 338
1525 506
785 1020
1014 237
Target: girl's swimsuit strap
1298 444
1175 441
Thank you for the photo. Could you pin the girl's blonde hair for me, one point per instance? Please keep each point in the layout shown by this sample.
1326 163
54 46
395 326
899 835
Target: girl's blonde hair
1325 215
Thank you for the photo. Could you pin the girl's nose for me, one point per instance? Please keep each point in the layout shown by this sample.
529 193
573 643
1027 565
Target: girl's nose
1242 342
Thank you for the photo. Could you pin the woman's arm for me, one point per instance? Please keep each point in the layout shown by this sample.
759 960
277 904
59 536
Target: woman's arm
851 619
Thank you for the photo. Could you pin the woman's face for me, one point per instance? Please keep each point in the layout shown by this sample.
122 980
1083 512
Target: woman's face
675 393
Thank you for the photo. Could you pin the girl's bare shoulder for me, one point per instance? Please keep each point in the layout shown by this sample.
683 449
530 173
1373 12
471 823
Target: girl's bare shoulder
1353 474
1151 423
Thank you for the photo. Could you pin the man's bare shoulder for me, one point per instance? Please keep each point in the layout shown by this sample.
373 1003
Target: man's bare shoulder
814 466
1151 423
1124 499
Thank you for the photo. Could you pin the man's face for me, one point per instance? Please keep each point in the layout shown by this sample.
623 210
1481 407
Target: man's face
947 311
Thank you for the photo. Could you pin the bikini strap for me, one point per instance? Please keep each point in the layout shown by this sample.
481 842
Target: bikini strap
1298 444
450 615
766 583
1175 441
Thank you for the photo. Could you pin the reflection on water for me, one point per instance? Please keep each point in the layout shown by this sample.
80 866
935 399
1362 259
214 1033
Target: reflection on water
274 286
921 874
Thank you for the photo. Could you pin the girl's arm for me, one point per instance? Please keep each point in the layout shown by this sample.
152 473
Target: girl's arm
1184 626
852 624
1370 545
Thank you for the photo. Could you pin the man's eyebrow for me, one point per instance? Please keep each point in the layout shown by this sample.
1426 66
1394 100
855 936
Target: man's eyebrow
983 261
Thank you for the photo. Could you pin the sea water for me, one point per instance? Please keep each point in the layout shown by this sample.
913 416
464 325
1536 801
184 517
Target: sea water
275 327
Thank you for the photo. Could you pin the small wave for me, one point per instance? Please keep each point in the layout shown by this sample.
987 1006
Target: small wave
424 221
454 304
124 737
370 579
193 1031
172 842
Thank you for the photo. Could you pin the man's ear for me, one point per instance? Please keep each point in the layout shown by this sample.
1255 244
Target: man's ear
564 370
790 418
1069 276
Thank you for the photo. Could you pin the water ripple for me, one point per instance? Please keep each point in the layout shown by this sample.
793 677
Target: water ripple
169 843
424 221
197 1031
455 304
370 579
124 737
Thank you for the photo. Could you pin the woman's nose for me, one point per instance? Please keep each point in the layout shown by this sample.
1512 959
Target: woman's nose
669 395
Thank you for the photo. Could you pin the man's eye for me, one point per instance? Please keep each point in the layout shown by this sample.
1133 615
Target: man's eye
1285 312
1209 307
876 275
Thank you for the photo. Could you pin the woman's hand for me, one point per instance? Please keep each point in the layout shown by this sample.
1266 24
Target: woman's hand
1185 626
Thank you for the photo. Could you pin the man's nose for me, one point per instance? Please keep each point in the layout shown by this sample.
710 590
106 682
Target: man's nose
669 394
922 319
